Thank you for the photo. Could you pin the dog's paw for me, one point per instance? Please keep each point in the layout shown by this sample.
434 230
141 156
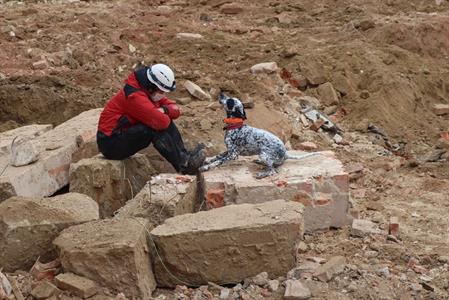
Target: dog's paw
203 168
259 162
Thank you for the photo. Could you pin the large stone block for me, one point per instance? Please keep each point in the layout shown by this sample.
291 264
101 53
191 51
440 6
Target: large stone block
28 226
165 196
114 253
51 172
228 244
110 182
319 182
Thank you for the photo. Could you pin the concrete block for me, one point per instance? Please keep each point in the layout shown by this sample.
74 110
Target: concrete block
165 196
319 182
29 225
51 171
110 182
228 244
441 109
76 285
112 252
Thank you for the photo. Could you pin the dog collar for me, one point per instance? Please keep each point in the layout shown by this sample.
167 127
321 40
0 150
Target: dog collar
232 123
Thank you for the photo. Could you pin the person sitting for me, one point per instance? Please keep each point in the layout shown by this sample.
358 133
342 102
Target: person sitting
140 114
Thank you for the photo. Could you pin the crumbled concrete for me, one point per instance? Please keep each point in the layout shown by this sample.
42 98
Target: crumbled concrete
76 285
165 196
228 244
112 252
110 182
334 266
51 171
29 225
362 228
319 182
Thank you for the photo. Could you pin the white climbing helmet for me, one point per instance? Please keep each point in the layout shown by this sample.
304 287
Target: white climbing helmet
162 76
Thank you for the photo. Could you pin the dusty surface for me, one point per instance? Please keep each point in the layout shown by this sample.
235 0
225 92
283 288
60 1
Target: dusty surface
387 59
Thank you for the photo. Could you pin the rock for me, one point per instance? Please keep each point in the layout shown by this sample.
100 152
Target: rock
260 279
362 228
40 65
302 247
76 285
334 266
111 183
231 9
21 133
233 243
273 285
113 252
307 146
295 290
196 91
165 196
304 181
309 101
266 67
303 270
24 152
328 95
225 293
184 35
441 109
29 225
51 172
44 290
184 101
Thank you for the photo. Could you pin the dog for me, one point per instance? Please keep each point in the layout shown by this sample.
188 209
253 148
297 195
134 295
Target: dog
241 139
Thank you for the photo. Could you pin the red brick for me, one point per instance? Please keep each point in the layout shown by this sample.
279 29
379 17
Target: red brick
317 124
215 198
393 228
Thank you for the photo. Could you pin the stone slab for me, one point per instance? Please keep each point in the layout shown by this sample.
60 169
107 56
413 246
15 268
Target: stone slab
113 252
228 244
319 182
51 172
110 182
165 196
29 225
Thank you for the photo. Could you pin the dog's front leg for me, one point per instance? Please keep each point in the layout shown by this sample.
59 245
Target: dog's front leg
219 160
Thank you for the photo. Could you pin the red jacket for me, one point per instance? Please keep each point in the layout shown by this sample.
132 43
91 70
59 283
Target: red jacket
137 108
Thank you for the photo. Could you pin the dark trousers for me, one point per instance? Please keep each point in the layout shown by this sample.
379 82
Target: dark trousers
123 144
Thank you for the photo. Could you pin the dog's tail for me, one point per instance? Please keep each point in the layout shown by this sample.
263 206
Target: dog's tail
302 156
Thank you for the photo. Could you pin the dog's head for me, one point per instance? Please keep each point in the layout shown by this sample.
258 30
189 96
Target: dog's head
232 106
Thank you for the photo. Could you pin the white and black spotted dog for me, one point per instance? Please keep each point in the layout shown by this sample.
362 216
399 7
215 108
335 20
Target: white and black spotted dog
245 140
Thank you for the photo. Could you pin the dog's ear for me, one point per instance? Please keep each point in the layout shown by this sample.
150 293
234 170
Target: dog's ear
222 97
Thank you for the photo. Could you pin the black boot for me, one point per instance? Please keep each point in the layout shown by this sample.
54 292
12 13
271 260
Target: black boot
194 160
